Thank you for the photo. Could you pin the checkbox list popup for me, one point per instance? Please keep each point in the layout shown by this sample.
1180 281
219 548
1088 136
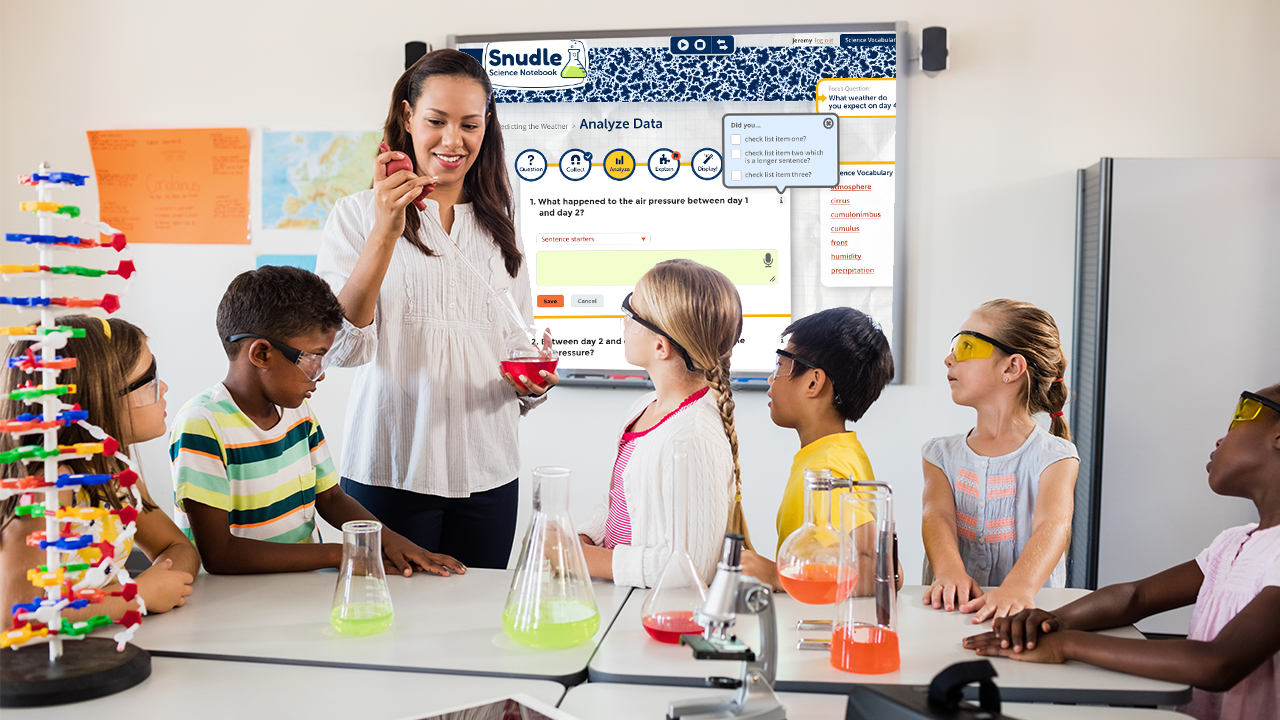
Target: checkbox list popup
782 150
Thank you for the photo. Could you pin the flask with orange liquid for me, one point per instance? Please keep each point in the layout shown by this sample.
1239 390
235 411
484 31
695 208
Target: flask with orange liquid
668 611
808 559
864 638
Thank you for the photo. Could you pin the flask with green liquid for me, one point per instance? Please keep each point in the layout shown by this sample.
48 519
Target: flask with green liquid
551 603
361 602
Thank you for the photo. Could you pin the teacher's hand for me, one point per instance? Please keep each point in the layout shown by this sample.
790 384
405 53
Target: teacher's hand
392 194
525 385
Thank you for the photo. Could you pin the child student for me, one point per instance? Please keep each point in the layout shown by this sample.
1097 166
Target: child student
998 498
833 368
1230 654
116 383
250 466
681 325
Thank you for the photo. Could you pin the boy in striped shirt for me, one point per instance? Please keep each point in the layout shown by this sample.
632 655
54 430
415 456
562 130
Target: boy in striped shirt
250 464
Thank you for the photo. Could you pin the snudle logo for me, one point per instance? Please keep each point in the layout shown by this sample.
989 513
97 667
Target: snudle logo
536 64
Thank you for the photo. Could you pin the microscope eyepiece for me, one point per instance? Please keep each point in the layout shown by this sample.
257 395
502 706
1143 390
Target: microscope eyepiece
731 555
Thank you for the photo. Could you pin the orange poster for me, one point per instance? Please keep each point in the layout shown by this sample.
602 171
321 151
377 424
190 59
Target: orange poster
174 186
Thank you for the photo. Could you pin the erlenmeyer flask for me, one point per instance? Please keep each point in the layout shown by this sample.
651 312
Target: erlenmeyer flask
573 68
551 603
361 602
668 611
809 558
865 635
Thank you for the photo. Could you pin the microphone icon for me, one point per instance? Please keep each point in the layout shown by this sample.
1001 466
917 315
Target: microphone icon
768 260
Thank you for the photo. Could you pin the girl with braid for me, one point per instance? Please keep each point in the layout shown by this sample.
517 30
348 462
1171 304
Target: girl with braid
998 499
681 325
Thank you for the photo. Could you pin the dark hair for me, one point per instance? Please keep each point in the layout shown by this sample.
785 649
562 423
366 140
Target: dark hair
852 350
101 377
277 302
1033 333
486 184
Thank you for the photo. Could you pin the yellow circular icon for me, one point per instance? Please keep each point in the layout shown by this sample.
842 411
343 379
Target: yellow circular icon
619 164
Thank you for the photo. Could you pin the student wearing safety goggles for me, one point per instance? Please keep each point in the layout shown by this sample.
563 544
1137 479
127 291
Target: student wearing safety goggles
1230 653
250 465
998 499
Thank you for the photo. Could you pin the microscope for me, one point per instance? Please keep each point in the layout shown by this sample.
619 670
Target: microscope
730 595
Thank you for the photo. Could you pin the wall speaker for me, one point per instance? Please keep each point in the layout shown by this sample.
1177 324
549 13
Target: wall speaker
413 51
933 49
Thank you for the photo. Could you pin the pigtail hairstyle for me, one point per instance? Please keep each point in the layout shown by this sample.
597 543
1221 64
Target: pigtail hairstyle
103 364
701 310
1033 333
486 184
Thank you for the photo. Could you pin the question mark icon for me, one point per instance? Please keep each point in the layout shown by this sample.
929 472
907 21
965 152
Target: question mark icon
530 160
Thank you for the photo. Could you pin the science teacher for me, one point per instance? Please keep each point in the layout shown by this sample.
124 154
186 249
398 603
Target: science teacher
430 444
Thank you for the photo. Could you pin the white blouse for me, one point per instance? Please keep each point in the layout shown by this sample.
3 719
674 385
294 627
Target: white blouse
429 411
649 483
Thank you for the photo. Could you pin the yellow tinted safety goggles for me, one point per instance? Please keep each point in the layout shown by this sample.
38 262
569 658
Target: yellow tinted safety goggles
1250 408
968 344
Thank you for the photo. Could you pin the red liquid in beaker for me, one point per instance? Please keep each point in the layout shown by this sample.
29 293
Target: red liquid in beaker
530 367
667 627
812 583
865 649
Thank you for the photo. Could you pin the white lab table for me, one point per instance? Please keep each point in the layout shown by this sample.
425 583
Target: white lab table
929 641
445 625
216 690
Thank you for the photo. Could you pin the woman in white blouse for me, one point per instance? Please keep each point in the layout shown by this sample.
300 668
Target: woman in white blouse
431 440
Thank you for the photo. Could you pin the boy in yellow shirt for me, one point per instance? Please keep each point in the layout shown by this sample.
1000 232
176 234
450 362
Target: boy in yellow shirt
833 368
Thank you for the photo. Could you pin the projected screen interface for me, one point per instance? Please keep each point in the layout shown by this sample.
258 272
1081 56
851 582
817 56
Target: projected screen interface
621 155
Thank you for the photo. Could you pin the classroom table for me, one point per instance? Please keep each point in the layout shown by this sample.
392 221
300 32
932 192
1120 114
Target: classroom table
929 641
216 690
613 701
444 625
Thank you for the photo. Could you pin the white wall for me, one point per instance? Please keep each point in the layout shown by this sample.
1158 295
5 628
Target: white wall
1035 91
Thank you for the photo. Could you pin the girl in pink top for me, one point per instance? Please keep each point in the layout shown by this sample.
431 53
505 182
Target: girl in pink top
1230 654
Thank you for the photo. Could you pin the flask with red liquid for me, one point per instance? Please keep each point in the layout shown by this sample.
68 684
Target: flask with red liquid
864 638
668 611
809 558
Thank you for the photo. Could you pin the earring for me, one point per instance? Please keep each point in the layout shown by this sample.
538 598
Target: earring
1006 379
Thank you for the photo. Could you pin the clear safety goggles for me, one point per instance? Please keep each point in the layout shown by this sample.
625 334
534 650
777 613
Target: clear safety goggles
145 390
311 365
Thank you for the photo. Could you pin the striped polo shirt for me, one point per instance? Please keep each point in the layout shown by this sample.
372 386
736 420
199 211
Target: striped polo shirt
266 480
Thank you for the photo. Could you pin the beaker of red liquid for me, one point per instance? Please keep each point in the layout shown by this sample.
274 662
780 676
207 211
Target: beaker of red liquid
809 558
864 637
667 612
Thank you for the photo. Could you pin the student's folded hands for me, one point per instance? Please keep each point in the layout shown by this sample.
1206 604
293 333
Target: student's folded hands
403 557
1032 635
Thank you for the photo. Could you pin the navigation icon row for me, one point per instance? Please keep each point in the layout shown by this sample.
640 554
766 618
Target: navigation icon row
619 164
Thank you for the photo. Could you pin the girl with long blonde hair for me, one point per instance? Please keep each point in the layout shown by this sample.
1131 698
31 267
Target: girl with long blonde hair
681 325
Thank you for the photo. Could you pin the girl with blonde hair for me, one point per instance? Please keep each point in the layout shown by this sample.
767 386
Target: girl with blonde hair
681 325
998 499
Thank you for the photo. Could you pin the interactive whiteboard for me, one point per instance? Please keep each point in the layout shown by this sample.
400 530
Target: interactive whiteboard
629 148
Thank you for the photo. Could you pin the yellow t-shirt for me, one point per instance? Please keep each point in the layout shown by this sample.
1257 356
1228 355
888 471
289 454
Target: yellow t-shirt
844 456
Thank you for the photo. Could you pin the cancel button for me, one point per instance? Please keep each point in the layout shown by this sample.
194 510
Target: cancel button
594 302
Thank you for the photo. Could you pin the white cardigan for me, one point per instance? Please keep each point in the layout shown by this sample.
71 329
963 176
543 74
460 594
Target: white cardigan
648 482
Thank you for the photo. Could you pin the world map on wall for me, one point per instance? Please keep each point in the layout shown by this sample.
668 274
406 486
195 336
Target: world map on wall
305 173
